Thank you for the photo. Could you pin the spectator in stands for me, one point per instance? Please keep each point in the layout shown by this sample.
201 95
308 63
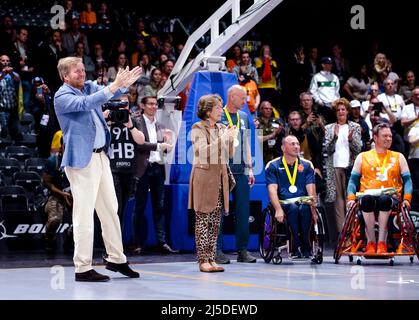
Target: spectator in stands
23 61
88 16
98 55
7 35
413 139
381 66
118 46
234 57
46 122
407 88
154 86
253 96
393 105
168 50
104 17
245 67
86 138
314 126
341 65
9 100
74 35
366 106
87 61
355 116
101 75
145 64
154 46
70 13
267 69
140 30
325 88
241 167
134 107
356 87
342 144
150 175
121 153
167 67
272 132
59 202
139 51
161 59
50 52
210 138
397 143
120 63
312 62
310 146
410 114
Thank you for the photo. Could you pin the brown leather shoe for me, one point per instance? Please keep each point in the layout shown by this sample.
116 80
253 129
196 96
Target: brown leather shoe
216 267
206 267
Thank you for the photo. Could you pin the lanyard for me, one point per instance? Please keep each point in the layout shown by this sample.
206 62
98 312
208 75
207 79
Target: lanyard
383 166
229 118
287 170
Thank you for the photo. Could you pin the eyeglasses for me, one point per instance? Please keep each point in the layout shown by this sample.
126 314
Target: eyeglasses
152 103
374 90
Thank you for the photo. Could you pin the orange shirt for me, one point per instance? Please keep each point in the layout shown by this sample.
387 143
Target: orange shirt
252 92
371 171
88 18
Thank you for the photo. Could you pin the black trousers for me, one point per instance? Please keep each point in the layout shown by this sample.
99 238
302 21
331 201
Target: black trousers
153 180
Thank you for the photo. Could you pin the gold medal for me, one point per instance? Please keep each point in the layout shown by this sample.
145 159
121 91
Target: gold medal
381 167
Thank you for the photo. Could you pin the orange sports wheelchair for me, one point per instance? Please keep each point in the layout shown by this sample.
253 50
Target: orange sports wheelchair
402 237
275 237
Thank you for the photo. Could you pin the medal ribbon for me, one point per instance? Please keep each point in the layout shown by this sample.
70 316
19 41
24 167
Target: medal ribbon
231 121
287 170
383 166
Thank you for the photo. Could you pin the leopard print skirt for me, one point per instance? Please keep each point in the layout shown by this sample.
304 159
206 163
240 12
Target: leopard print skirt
207 225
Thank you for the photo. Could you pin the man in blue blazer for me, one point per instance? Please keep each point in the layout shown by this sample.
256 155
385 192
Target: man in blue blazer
86 164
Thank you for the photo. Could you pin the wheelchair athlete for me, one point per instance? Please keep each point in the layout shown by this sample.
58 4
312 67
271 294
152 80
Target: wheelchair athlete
289 177
374 170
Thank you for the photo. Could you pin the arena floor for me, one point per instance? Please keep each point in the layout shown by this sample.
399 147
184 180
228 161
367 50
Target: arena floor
176 277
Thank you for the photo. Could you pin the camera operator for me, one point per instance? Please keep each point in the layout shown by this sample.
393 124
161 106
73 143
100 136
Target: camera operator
124 136
9 100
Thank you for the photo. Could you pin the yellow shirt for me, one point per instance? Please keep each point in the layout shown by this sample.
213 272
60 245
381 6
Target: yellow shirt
371 171
56 141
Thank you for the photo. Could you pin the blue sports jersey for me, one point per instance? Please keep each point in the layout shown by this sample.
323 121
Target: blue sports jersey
275 174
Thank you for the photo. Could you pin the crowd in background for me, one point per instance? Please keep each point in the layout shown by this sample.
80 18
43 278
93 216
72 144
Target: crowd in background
330 102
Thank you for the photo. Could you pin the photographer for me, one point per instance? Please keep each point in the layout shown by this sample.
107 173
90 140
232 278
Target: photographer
122 149
59 202
9 100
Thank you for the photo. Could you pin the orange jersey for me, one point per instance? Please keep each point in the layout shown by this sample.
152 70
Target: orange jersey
376 176
252 92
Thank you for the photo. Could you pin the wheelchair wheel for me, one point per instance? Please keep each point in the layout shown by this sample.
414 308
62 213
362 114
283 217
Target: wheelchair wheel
267 235
410 230
345 234
277 259
317 239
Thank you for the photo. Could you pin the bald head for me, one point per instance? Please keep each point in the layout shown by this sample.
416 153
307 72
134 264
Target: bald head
236 97
290 146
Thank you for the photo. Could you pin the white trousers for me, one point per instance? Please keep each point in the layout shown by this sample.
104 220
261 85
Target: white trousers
92 188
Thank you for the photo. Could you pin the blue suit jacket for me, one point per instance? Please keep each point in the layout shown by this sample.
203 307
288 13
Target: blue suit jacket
73 108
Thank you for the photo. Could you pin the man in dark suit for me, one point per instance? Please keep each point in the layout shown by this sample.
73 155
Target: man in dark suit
150 175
